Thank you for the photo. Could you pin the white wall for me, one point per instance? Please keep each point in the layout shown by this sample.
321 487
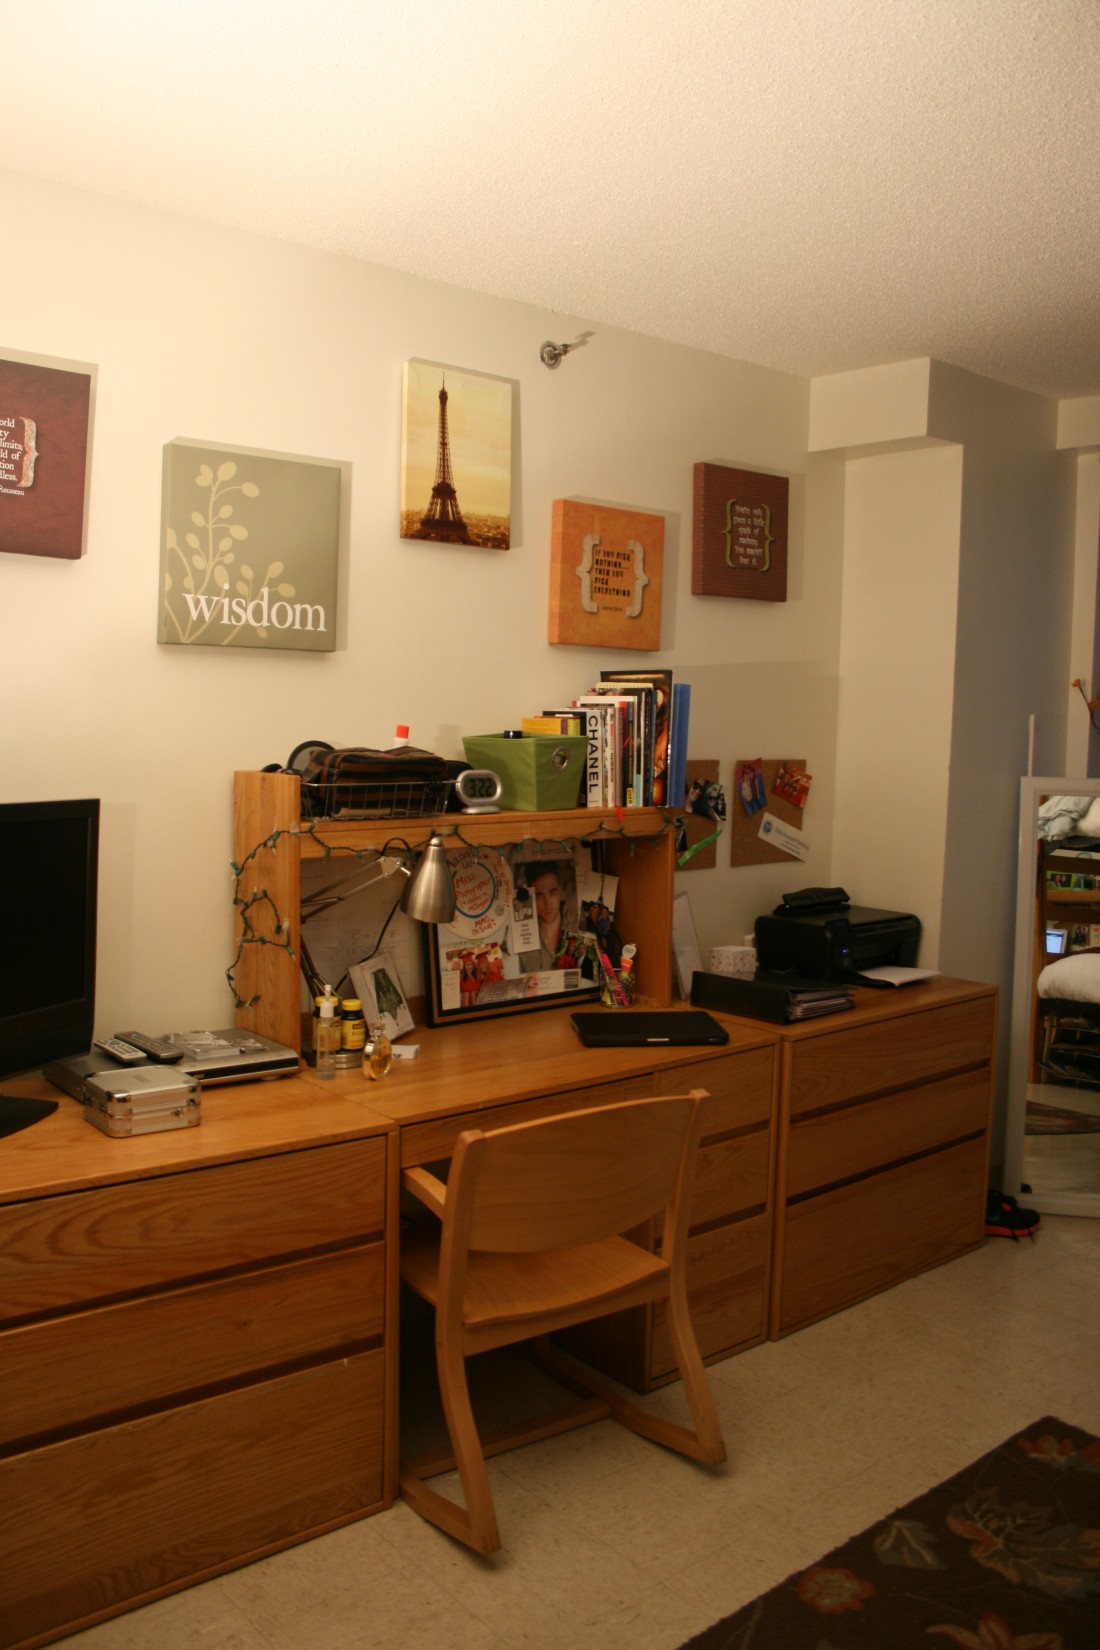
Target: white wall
226 337
897 647
959 571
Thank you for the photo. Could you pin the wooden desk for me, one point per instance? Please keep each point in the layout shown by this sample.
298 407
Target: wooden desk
503 1071
198 1347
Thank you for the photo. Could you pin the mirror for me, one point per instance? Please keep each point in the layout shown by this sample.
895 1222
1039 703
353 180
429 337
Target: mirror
1052 1141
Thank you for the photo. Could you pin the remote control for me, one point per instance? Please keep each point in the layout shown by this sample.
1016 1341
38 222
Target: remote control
125 1053
160 1049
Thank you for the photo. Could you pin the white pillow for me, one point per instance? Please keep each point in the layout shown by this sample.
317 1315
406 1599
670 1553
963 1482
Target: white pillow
1089 824
1076 978
1059 815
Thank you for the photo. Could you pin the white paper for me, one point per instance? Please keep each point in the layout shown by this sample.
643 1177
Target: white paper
782 836
898 976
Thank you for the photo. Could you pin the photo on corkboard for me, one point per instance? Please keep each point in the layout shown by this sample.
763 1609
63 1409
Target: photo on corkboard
703 819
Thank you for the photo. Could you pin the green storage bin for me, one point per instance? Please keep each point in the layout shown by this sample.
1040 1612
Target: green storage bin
539 773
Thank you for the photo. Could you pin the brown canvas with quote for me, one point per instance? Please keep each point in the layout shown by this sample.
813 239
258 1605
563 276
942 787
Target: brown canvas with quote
605 576
44 414
739 534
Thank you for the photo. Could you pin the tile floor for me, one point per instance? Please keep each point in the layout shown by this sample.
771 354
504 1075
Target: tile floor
614 1544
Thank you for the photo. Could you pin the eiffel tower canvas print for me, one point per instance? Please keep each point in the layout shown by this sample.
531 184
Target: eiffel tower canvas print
456 457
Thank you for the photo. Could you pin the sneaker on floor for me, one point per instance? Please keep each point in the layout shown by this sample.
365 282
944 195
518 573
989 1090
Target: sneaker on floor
1005 1218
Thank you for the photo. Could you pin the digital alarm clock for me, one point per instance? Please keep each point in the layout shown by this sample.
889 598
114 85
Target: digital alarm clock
479 790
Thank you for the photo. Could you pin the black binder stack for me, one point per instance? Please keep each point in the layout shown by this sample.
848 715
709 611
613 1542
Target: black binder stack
782 999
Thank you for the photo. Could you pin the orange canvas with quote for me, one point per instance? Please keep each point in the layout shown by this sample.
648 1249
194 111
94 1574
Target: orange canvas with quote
605 576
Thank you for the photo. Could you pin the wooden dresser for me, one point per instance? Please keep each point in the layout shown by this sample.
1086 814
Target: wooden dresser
195 1356
884 1144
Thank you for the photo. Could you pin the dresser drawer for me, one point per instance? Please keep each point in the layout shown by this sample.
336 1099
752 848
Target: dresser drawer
429 1142
67 1251
844 1064
731 1176
739 1088
178 1496
727 1281
852 1241
88 1367
855 1140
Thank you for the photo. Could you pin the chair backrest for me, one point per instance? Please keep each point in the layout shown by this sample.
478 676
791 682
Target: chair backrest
572 1179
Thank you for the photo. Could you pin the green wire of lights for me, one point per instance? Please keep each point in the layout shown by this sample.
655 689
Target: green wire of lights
246 904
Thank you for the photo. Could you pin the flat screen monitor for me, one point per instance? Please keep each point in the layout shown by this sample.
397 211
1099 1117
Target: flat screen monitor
49 863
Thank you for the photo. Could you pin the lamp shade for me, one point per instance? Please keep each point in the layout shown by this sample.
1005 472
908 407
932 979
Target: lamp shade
430 892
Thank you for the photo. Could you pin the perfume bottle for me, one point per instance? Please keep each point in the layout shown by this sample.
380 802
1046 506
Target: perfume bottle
326 1035
377 1051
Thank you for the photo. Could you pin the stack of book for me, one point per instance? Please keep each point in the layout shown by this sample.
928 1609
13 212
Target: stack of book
636 724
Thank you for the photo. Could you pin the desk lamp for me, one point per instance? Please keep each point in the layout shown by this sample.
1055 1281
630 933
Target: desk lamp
429 895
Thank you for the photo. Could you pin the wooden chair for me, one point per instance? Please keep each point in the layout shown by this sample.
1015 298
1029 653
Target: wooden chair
529 1242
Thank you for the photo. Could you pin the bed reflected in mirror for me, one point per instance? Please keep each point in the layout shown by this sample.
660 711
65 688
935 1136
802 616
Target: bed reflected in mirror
1052 1143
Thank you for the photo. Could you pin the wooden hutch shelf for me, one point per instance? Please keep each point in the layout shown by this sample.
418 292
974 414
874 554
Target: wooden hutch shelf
271 839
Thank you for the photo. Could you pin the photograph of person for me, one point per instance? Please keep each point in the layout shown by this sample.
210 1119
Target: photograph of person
553 884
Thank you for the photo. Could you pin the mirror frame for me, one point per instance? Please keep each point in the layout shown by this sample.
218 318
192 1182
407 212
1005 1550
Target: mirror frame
1032 790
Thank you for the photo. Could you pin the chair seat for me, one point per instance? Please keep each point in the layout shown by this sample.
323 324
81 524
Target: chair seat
512 1288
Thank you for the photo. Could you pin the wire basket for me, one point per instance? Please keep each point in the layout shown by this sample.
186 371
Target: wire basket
377 798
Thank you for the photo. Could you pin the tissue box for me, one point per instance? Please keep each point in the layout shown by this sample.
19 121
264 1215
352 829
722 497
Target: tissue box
538 773
738 960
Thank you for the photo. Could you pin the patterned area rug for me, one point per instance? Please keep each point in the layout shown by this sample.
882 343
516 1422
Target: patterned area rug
1058 1120
1003 1556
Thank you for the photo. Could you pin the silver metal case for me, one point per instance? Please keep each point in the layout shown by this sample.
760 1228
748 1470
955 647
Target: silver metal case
141 1100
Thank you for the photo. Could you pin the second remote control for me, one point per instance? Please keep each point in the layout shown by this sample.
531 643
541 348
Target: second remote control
160 1049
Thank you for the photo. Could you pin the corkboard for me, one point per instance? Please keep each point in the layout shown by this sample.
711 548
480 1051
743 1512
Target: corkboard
747 847
694 852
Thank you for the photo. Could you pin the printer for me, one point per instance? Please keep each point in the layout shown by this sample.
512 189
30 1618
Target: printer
818 934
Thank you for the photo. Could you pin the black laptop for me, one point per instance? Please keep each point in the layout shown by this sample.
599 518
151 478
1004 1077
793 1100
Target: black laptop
640 1028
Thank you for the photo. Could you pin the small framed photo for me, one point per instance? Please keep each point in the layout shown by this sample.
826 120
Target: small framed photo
379 987
516 941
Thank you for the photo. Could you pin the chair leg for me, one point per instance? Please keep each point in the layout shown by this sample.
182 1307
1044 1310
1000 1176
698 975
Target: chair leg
704 1444
476 1523
708 1431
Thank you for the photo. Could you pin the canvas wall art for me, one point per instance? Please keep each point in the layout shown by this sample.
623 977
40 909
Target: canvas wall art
250 548
739 534
456 457
606 568
45 416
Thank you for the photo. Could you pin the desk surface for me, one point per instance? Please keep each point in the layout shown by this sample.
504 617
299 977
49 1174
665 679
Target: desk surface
474 1066
63 1153
461 1069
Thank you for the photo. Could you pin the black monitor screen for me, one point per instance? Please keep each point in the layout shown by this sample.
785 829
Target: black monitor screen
48 883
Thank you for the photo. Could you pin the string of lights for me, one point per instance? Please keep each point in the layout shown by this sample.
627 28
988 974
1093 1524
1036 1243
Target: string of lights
246 903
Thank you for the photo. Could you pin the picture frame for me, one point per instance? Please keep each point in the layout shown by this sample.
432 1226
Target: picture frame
378 985
515 944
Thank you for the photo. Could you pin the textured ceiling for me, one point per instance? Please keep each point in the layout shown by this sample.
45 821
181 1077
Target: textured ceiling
813 185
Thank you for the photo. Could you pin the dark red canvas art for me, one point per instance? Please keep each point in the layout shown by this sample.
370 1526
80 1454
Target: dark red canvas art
44 415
